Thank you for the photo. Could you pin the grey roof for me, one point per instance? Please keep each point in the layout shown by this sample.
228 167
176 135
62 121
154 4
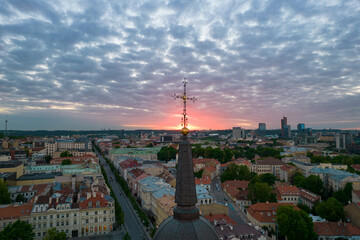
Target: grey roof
10 164
191 230
35 176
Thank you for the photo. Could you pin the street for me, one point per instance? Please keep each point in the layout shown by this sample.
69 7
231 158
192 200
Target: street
219 196
132 223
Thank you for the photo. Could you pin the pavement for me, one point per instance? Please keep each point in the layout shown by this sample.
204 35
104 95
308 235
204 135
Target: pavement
132 223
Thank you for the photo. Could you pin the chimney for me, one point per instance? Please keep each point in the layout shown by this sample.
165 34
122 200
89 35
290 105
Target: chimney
94 194
50 198
222 228
88 195
57 199
231 227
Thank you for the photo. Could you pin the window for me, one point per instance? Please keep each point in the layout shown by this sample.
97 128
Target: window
87 221
39 225
44 225
87 213
67 223
104 219
39 234
39 217
44 217
67 215
58 215
74 222
96 220
74 214
95 212
51 225
57 224
44 233
104 211
34 218
62 223
51 216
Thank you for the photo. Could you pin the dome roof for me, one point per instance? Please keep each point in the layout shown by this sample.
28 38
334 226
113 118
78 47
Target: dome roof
176 230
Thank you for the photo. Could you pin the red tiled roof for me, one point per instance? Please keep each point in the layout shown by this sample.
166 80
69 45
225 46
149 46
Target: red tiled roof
287 167
129 163
266 212
269 161
136 172
310 196
335 229
94 199
288 190
206 180
14 211
220 217
356 167
234 187
210 169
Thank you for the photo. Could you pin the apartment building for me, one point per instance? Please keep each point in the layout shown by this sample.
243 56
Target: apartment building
268 165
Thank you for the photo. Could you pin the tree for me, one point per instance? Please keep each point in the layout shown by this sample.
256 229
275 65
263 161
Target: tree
312 183
261 192
48 159
235 172
20 198
19 230
268 178
294 224
331 210
4 193
198 174
66 162
52 234
66 154
166 154
304 208
126 236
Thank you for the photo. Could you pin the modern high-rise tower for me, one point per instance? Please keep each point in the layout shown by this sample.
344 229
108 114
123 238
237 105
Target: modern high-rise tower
285 128
262 129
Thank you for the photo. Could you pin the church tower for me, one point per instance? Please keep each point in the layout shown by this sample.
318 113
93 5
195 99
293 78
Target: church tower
186 223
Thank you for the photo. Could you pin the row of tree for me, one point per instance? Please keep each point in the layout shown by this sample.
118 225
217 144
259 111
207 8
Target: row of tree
228 154
21 230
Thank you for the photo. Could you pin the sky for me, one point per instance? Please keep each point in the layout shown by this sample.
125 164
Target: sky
115 64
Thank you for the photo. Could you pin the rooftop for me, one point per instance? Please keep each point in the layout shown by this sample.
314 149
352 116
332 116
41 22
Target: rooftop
335 229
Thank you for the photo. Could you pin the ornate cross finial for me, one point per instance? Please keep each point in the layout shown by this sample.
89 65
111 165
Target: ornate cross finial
184 97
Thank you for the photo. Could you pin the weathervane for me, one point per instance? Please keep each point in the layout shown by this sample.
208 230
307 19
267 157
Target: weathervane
184 120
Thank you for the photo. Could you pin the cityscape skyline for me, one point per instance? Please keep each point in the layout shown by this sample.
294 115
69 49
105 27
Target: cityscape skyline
94 65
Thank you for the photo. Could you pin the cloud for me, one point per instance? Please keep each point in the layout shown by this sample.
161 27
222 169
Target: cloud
115 64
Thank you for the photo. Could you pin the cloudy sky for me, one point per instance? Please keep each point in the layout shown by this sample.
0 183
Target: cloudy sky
114 64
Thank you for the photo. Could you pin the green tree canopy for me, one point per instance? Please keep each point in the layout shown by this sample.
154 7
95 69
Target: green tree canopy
66 154
52 234
19 230
235 172
66 162
126 236
20 198
268 178
294 224
312 183
331 210
4 193
261 192
166 154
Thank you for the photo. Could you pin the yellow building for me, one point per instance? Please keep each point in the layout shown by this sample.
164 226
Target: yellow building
12 166
164 208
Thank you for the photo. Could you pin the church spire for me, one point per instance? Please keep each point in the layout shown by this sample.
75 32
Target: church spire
185 195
